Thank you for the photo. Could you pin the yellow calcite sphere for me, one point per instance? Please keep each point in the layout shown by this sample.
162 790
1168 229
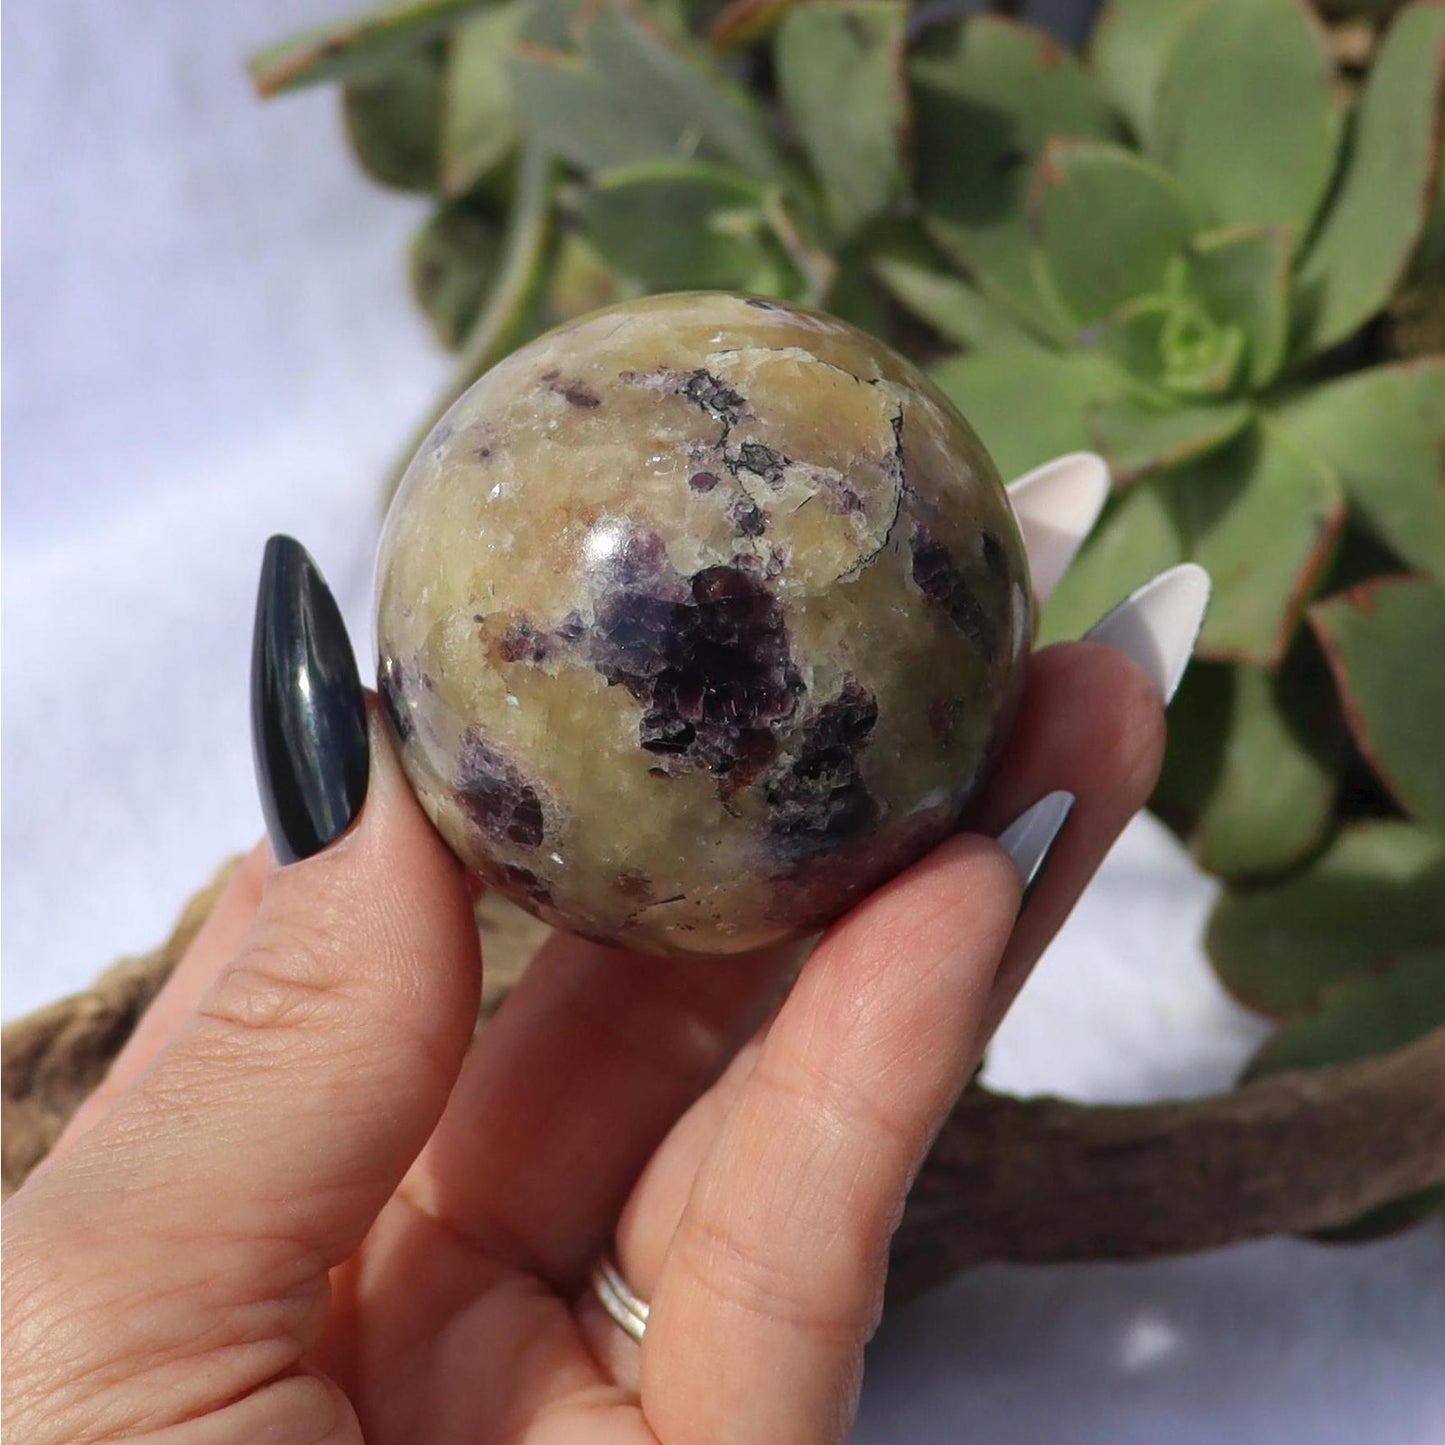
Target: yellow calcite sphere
697 619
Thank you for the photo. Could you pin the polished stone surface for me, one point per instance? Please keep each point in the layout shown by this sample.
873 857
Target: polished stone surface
697 619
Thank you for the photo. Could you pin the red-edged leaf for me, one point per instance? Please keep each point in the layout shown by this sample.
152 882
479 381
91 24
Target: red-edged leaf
1263 516
1385 640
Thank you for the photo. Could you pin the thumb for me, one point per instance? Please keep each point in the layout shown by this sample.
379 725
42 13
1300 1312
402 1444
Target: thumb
283 1115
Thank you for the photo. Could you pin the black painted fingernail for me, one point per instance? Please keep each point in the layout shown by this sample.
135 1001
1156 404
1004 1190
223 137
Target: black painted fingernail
308 713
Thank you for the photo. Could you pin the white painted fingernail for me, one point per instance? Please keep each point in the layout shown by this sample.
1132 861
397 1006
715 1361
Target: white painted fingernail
1029 837
1158 625
1057 505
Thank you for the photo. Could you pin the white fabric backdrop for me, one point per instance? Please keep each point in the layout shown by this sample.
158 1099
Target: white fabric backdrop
207 339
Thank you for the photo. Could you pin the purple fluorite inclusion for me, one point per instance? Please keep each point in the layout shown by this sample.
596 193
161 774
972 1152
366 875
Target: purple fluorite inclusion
818 797
495 794
942 581
706 657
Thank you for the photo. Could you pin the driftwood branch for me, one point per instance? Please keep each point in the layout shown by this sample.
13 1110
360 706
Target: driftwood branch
1044 1180
1008 1179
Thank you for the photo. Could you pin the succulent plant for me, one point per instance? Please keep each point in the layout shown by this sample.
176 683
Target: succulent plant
1202 248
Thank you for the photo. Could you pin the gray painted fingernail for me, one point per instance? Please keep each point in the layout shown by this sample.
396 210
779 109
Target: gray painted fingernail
1028 839
1056 506
1158 625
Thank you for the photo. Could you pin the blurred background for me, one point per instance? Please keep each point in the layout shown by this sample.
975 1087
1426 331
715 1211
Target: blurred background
207 338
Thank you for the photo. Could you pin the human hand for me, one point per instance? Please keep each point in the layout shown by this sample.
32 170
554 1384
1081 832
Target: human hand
302 1207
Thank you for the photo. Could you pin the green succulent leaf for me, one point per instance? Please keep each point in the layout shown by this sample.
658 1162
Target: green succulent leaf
632 97
552 24
1370 1013
1262 485
957 311
677 19
452 261
1377 891
513 311
1200 357
796 227
522 270
988 94
856 297
840 73
478 120
1139 438
355 46
1245 113
1027 404
1430 254
677 224
1127 51
1388 188
1136 539
393 119
1134 337
1241 277
681 91
1218 324
1107 222
1386 643
1251 771
1383 430
570 111
582 281
1173 345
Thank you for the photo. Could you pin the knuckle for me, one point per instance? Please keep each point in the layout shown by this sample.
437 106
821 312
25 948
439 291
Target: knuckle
859 1120
283 982
824 1292
302 1408
800 1238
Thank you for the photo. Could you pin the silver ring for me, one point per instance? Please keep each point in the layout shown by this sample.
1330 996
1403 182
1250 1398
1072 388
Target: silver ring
627 1309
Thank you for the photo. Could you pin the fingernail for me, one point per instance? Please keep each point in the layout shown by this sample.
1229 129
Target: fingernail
1158 625
308 713
1028 839
1057 505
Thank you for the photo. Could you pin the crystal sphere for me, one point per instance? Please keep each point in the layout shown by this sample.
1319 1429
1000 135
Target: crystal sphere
697 619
